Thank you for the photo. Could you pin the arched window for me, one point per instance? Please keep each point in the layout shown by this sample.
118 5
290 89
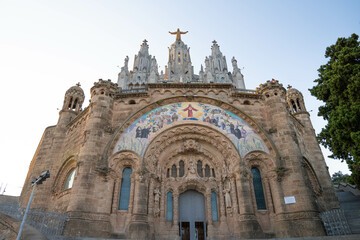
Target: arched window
70 103
293 106
214 211
258 189
298 104
75 102
181 170
207 171
173 171
169 206
199 168
69 180
213 172
168 173
125 189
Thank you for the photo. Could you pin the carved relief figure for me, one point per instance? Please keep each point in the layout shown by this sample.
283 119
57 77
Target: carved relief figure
192 169
157 196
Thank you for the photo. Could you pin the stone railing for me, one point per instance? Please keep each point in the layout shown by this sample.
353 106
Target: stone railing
48 223
335 222
137 90
244 90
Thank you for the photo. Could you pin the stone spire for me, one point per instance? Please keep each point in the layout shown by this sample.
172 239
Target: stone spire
215 66
144 70
179 68
201 74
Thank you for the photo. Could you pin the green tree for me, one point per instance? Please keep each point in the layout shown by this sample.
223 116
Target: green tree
338 86
339 177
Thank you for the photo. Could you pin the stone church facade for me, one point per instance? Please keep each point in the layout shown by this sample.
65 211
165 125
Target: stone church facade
178 155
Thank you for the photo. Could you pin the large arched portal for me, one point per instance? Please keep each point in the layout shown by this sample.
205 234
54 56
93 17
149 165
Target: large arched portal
192 217
194 178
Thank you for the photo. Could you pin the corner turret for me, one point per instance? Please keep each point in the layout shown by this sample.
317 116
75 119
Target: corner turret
295 100
73 100
103 88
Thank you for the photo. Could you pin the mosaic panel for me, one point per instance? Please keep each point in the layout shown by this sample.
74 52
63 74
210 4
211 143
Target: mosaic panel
139 134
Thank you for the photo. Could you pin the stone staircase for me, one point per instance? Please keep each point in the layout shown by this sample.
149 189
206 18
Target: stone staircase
343 237
351 206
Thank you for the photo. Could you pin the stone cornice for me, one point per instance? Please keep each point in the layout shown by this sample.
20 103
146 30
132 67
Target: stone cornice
190 85
129 95
246 95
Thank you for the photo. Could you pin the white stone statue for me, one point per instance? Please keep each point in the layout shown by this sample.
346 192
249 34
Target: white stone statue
234 64
157 195
227 195
126 61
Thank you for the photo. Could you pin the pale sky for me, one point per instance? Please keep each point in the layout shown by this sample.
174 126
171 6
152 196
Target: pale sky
48 46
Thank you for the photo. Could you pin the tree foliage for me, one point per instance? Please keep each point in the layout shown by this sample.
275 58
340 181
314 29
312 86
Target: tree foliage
338 86
339 177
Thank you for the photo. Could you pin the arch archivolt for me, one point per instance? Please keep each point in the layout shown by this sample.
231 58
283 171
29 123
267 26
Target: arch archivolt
269 172
68 165
117 163
265 163
190 143
191 138
170 100
121 160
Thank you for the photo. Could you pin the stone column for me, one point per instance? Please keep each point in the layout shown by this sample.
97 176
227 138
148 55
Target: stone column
151 205
221 203
139 227
132 193
246 226
224 230
208 206
115 196
175 212
268 194
162 203
211 231
233 197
